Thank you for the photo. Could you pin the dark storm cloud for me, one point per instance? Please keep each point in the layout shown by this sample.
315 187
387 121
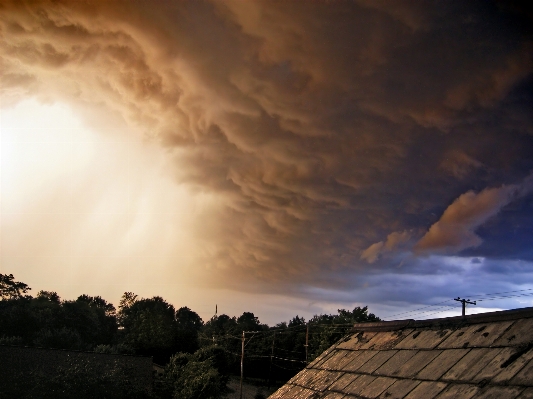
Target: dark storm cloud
337 135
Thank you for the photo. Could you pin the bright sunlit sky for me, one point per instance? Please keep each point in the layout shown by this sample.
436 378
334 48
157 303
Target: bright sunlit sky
282 158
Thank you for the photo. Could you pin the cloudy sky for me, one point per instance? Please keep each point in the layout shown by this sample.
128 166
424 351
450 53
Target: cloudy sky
276 157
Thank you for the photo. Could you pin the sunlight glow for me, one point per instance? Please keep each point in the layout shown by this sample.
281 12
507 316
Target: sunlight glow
82 207
39 145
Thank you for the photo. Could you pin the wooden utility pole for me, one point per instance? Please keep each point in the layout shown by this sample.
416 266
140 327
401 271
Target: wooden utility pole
242 363
271 358
464 302
306 341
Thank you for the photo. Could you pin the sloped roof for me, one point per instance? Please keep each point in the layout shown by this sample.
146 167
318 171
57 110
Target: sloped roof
487 355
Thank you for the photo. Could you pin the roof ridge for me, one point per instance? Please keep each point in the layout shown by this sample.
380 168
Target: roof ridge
489 317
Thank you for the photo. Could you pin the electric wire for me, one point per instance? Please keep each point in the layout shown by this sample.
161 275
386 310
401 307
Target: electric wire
416 310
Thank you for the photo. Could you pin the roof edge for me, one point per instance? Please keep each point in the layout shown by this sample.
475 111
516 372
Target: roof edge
489 317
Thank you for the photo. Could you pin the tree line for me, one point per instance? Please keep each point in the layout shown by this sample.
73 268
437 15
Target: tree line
198 356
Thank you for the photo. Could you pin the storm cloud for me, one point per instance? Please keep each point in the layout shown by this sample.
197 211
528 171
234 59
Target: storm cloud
336 138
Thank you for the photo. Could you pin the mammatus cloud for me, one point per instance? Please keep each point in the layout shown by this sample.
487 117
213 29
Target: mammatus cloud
315 130
455 230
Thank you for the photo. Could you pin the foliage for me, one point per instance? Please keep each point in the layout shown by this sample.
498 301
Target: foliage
333 327
82 380
11 289
63 338
188 377
49 322
49 296
118 349
219 358
188 325
199 356
149 327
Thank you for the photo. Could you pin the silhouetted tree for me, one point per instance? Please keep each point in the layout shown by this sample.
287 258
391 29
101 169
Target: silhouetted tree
149 327
188 324
11 289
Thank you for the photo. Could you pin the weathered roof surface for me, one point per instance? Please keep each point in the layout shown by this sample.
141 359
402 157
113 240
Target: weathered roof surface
487 355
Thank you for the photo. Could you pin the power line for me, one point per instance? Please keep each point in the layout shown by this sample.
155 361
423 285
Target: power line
416 310
501 293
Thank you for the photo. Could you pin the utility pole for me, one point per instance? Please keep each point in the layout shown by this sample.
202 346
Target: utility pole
464 302
271 357
306 342
214 317
242 363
